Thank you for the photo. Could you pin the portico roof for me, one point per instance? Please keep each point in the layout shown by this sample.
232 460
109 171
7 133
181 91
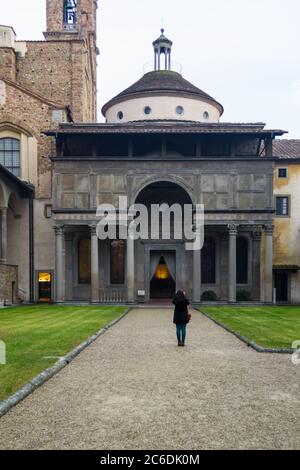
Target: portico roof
167 127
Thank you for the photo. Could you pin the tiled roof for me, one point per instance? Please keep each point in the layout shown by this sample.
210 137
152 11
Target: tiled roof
286 148
165 127
287 267
26 189
163 82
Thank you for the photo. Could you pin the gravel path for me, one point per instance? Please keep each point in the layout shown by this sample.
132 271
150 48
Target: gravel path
135 389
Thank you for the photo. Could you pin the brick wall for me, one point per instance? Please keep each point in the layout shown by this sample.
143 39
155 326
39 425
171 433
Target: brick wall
61 71
55 15
46 69
9 283
35 116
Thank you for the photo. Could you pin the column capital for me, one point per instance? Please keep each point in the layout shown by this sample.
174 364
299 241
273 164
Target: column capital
232 229
59 229
269 229
93 229
256 232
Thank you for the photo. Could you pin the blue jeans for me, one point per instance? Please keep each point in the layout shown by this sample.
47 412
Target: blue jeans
181 333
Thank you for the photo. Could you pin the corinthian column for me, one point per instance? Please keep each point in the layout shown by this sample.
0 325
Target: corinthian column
95 299
268 274
196 274
232 230
130 266
256 263
59 263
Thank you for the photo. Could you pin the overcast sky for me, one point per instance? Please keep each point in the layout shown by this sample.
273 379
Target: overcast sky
245 53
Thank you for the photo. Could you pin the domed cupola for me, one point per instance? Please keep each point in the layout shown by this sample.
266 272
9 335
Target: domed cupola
162 95
162 45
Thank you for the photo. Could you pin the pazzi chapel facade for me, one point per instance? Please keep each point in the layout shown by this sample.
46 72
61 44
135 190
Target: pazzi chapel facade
163 140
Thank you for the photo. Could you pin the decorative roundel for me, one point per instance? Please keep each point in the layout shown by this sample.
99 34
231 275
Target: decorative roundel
206 115
147 110
179 110
120 115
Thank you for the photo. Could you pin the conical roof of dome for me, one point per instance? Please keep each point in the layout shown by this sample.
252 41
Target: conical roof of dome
162 82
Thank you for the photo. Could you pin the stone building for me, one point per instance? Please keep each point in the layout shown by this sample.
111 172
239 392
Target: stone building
286 260
163 142
42 83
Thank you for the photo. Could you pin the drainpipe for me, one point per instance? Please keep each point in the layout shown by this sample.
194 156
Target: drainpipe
31 249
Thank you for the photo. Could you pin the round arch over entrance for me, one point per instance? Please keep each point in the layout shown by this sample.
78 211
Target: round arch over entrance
163 257
167 179
163 191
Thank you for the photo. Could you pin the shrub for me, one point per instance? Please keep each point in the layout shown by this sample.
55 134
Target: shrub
243 295
209 296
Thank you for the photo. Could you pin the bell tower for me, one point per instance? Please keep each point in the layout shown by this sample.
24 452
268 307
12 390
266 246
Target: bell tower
68 18
72 30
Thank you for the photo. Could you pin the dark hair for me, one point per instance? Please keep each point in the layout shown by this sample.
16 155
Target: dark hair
180 295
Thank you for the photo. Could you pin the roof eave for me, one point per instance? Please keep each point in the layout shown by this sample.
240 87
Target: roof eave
181 127
24 187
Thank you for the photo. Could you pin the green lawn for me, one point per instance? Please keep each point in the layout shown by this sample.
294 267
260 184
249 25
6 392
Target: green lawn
269 327
33 332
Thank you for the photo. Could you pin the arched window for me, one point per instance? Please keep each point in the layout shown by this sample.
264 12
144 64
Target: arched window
10 154
70 12
208 261
242 260
84 261
117 262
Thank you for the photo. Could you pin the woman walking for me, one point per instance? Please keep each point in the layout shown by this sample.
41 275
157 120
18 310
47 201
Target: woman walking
181 315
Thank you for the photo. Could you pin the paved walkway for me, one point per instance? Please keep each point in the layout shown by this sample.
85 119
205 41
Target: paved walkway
135 389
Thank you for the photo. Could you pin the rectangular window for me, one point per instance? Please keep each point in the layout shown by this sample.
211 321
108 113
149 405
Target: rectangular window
282 172
282 205
10 155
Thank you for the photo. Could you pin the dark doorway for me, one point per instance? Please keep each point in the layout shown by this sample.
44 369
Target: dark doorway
13 288
45 284
282 287
162 283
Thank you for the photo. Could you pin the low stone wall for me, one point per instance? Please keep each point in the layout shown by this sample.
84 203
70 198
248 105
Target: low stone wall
8 284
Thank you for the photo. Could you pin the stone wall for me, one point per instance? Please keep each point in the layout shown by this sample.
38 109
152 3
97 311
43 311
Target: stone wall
25 111
8 63
61 69
8 284
287 228
86 15
224 185
61 72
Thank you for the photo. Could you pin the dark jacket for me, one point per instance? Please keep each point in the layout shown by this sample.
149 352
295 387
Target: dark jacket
181 310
